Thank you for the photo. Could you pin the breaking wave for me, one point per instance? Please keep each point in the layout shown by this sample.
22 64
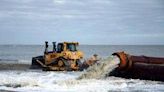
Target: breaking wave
35 81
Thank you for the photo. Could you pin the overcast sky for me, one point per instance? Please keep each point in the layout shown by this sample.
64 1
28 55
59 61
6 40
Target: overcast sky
86 21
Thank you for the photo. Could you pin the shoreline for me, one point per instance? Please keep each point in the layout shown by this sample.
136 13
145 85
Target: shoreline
12 66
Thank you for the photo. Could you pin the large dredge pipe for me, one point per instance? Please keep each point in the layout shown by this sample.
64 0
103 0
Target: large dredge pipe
141 67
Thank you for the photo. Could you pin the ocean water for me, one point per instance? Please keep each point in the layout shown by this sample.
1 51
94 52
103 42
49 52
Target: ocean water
24 53
39 81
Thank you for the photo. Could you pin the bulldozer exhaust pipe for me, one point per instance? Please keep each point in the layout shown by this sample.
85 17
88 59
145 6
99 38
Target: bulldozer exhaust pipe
54 46
46 47
142 67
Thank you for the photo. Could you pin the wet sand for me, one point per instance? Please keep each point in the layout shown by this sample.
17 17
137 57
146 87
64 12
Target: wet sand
10 66
6 91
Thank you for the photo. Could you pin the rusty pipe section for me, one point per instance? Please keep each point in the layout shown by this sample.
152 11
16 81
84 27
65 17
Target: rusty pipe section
127 61
142 67
124 59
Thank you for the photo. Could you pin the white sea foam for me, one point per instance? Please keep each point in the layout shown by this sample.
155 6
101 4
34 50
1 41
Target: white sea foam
38 81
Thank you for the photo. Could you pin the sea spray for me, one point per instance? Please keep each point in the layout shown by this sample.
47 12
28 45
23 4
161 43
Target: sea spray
100 69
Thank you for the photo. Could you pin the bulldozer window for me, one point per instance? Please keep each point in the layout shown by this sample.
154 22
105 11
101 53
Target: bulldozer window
71 47
60 48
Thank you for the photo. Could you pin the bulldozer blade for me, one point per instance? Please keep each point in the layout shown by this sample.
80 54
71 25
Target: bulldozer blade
37 63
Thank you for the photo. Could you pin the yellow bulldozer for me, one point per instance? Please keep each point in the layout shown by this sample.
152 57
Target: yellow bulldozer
64 56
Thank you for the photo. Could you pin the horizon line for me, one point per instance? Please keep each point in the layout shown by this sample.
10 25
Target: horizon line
87 44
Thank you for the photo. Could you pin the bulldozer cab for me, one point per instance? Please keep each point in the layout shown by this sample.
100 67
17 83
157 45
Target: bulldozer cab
65 46
71 46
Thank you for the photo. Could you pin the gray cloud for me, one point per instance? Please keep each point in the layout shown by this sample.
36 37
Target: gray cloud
87 21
